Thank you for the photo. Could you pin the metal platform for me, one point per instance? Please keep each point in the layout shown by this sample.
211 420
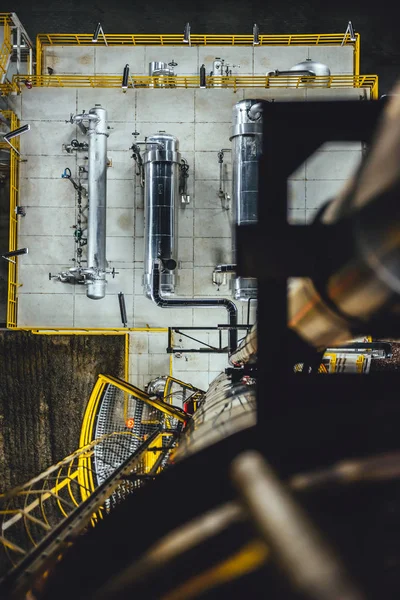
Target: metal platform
201 119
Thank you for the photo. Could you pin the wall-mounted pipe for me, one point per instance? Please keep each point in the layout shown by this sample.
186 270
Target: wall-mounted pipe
199 302
97 192
93 275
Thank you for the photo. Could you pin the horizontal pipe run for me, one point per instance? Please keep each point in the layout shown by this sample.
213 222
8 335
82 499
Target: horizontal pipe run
200 302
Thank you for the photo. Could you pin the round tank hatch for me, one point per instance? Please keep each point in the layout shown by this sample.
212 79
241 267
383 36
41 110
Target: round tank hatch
316 68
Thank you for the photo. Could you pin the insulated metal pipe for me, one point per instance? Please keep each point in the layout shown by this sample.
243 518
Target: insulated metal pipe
97 192
200 302
247 129
161 161
94 124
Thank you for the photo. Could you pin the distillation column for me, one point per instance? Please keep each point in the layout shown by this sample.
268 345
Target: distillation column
161 162
97 189
246 150
93 275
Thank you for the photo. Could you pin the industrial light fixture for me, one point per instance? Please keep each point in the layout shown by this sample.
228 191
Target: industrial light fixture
186 34
256 35
349 31
97 32
125 77
7 255
12 134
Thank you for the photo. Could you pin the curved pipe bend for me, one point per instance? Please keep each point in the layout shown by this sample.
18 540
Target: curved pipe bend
202 302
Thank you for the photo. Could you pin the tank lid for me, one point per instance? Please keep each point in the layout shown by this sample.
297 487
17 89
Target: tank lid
161 135
311 65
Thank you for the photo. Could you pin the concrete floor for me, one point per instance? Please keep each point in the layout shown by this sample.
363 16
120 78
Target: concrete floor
201 119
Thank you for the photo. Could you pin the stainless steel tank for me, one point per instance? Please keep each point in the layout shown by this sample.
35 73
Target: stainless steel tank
157 69
163 72
161 160
246 150
316 68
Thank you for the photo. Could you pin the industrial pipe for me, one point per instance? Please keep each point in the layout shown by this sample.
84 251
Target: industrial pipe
97 182
200 302
247 348
93 275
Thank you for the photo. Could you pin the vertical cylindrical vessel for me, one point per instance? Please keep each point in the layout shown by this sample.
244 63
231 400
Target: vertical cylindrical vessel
246 150
97 192
161 160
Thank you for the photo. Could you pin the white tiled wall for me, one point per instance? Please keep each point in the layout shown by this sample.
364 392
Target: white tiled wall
201 119
256 60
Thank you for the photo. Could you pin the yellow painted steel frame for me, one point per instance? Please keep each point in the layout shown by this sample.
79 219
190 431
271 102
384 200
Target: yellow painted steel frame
86 436
13 226
16 504
168 384
91 331
6 47
150 401
87 429
196 39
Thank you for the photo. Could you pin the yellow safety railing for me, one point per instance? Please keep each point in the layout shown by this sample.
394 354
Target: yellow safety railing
6 48
126 357
196 39
90 331
85 39
29 512
232 82
13 225
92 409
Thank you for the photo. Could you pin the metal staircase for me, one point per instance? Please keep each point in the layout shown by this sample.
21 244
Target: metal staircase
41 518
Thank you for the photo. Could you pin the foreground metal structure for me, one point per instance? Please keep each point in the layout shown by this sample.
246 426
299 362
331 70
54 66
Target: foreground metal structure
40 517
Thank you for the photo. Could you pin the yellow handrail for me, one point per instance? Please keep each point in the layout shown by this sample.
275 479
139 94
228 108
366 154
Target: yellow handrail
85 477
193 81
196 39
5 17
13 225
132 39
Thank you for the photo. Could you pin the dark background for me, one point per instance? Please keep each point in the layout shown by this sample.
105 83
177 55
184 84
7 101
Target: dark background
377 23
